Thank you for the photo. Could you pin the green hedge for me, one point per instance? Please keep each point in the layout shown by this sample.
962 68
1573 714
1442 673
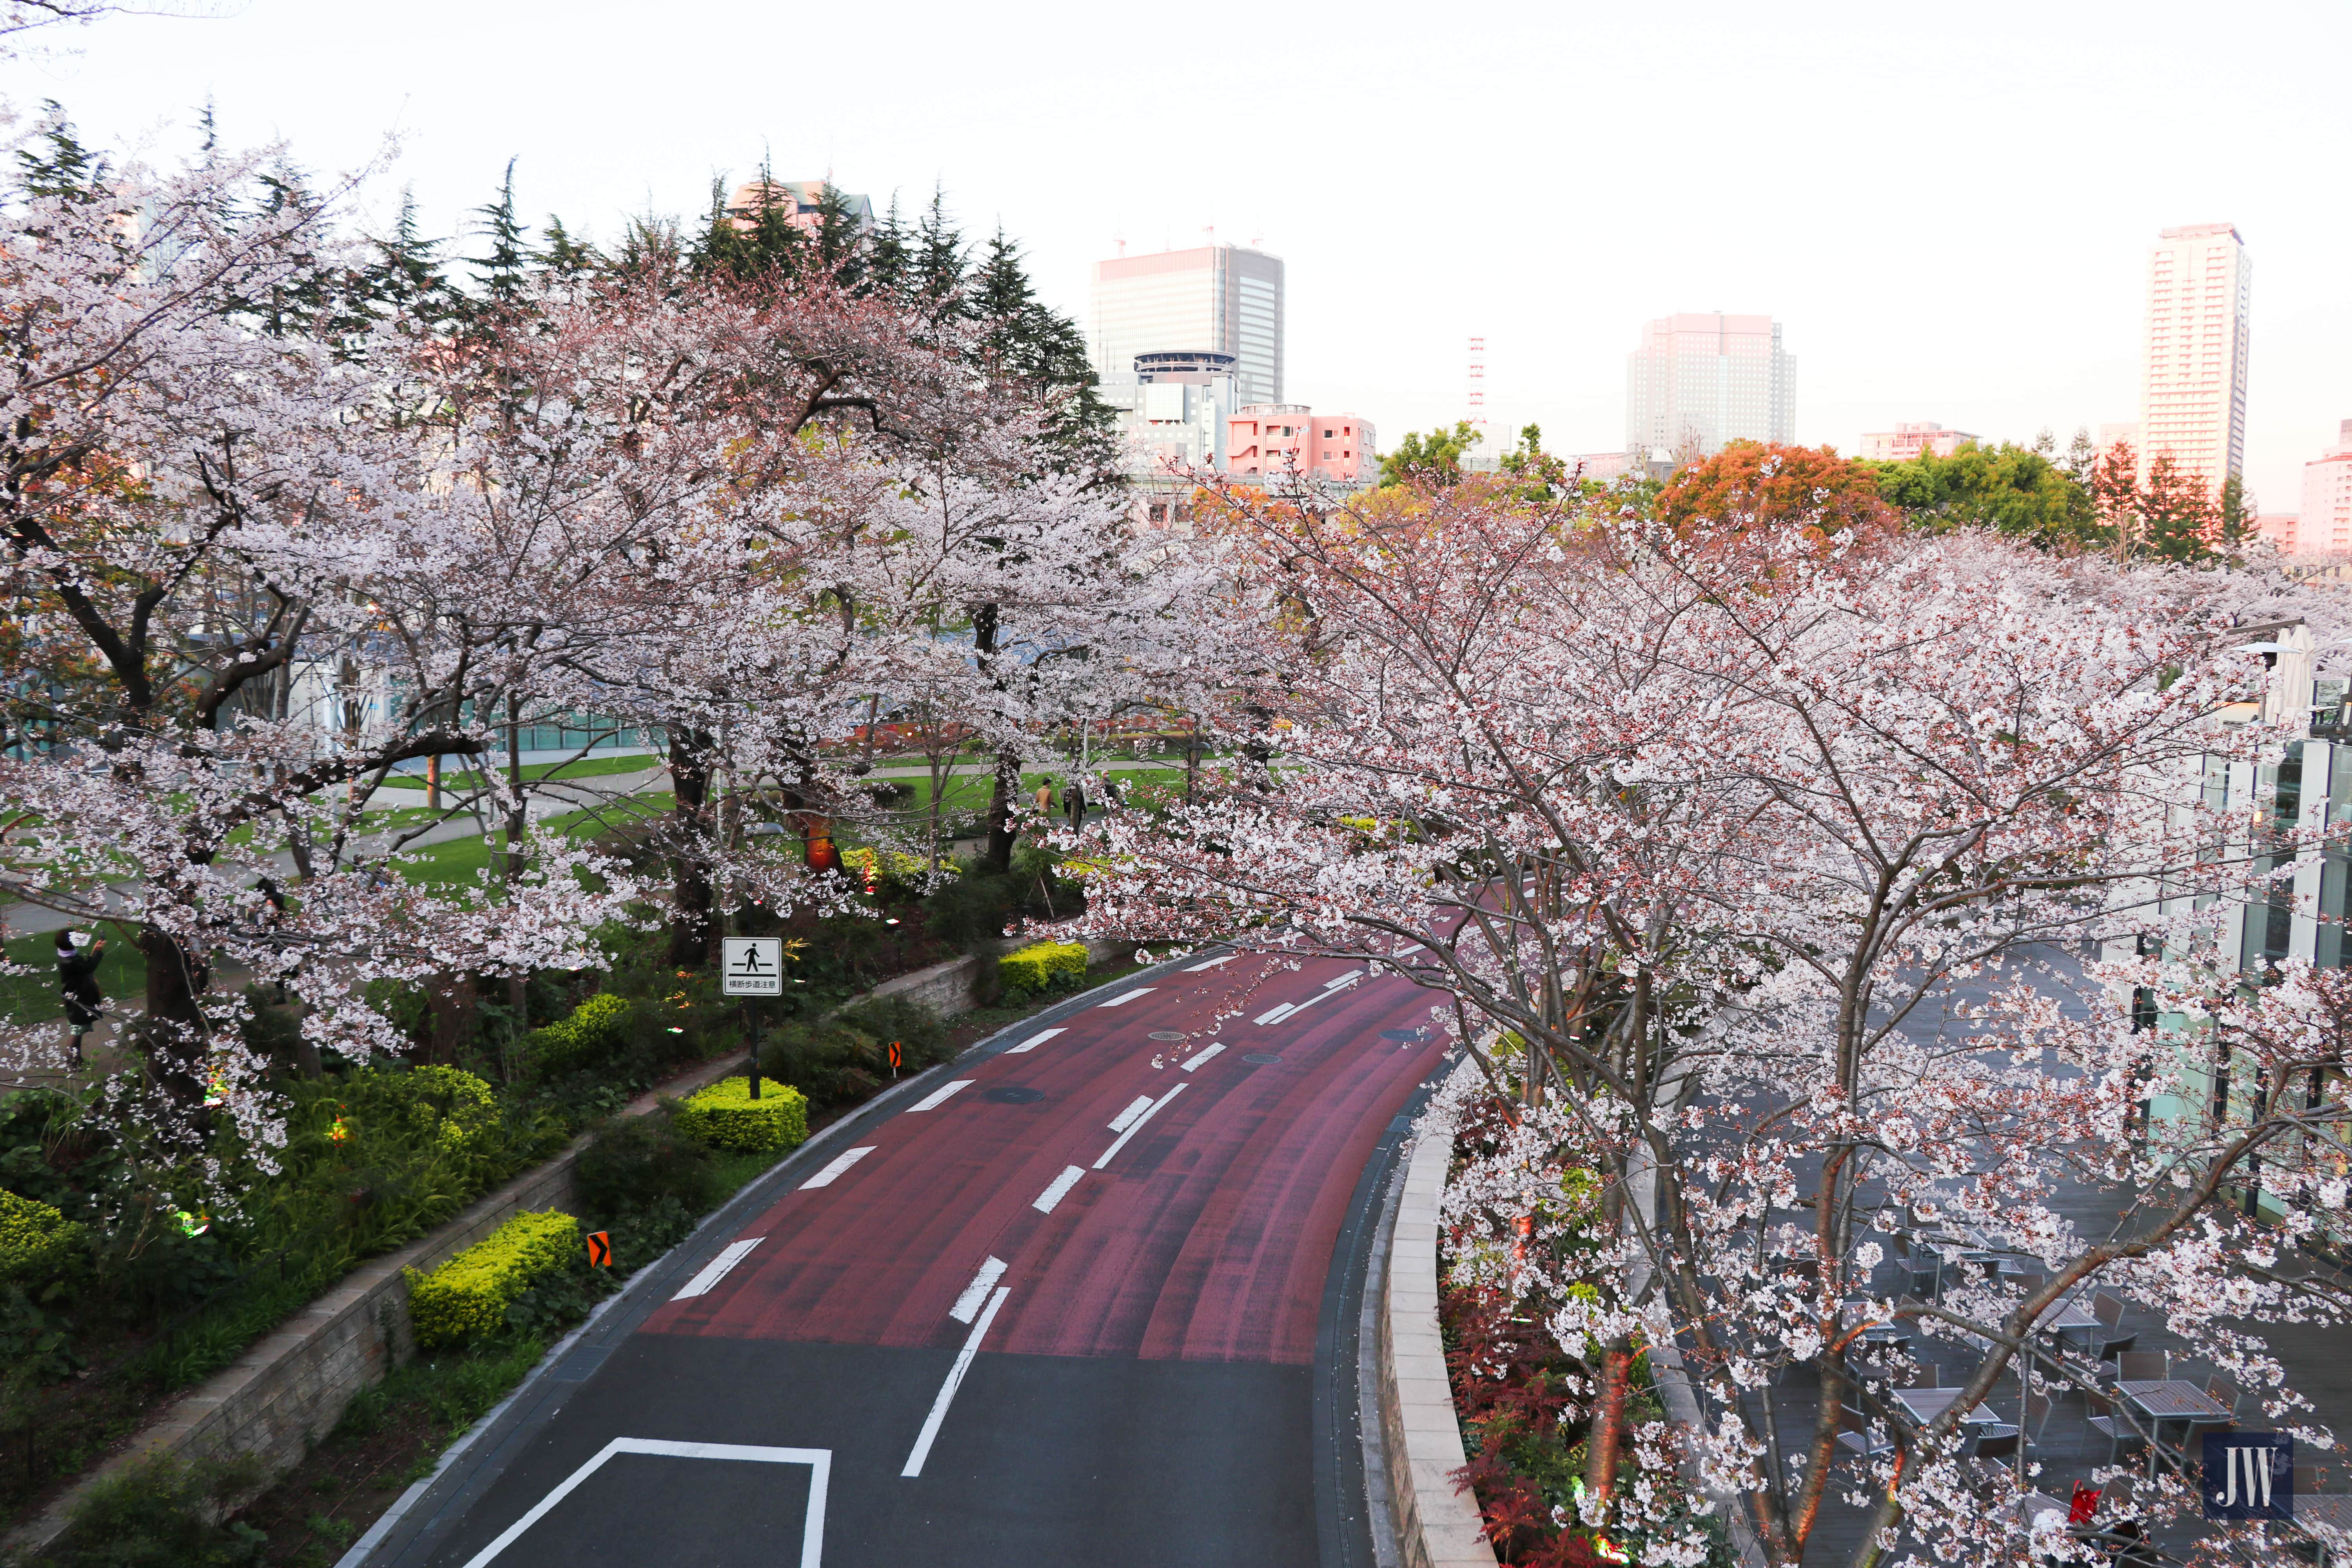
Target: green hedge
725 1116
36 1240
467 1298
1040 967
596 1032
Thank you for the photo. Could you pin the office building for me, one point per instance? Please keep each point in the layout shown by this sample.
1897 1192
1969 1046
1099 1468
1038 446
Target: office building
1906 442
1173 409
2325 525
1698 381
1267 441
2193 359
1220 299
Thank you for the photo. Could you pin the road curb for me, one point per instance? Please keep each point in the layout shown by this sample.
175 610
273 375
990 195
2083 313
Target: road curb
1437 1523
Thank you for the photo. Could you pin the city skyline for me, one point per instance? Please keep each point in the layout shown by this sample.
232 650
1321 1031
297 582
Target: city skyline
1398 247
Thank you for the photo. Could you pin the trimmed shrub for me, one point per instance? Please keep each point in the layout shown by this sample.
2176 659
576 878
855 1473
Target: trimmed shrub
467 1298
725 1116
635 1162
37 1241
1041 967
596 1032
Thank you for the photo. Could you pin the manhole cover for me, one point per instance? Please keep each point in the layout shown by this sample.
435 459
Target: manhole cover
1014 1095
1404 1034
1177 1035
1261 1059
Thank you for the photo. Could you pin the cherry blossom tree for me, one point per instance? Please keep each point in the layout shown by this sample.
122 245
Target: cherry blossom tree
1723 850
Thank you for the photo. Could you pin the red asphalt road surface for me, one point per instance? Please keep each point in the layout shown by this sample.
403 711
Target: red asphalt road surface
1207 1237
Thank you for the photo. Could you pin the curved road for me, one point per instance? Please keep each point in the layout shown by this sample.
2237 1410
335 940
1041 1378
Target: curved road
1086 1295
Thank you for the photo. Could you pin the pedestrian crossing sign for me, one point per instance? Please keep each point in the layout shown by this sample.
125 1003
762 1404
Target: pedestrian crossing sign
753 966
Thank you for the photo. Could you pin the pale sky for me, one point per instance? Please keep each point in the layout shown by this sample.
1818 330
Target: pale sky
1948 207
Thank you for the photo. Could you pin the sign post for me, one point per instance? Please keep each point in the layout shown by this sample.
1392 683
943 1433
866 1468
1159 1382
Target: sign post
752 966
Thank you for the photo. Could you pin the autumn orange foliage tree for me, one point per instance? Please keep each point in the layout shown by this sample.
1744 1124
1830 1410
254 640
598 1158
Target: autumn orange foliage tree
1752 485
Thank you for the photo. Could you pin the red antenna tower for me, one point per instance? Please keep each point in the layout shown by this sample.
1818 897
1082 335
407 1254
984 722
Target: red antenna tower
1478 385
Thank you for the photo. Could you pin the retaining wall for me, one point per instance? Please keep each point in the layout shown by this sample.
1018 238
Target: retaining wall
1437 1525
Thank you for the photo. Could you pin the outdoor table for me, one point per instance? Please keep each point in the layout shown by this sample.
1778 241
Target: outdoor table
2170 1399
1877 1334
2073 1322
1925 1404
2332 1513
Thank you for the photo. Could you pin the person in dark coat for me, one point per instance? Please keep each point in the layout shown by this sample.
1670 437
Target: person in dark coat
78 955
1074 803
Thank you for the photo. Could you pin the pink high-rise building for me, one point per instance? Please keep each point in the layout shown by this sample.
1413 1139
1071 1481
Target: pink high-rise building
1906 442
2325 524
1267 440
2192 402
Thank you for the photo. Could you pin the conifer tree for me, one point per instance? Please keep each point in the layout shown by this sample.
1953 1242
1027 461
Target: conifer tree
503 273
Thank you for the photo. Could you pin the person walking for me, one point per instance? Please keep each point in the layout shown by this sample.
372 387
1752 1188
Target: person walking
1074 804
79 954
1045 798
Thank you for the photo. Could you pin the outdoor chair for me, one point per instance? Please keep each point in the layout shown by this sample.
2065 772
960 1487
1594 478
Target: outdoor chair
2142 1367
1923 1275
2110 1309
2113 1424
2189 1457
2223 1392
2034 1419
1855 1436
2029 1283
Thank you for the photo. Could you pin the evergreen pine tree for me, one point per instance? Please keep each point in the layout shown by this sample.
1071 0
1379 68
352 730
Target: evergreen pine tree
887 259
56 164
503 274
840 238
755 240
935 279
1040 353
564 256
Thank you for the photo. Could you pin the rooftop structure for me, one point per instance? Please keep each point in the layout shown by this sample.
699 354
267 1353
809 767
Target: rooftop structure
1267 441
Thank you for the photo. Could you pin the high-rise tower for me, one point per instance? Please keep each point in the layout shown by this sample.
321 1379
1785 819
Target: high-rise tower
1214 298
2192 401
1702 380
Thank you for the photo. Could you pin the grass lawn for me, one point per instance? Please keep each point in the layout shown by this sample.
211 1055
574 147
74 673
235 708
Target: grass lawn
586 767
457 861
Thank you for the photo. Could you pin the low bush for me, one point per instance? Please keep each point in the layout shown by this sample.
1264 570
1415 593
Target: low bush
725 1116
166 1513
37 1241
595 1034
1042 967
467 1298
634 1162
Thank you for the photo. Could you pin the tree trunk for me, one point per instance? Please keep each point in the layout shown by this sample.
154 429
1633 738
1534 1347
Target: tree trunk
1608 1434
518 828
175 1037
1001 791
450 999
690 893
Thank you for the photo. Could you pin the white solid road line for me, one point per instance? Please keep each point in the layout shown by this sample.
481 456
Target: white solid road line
1205 1056
818 1460
1060 1189
1137 1125
939 1097
717 1268
955 1379
967 1304
1124 997
1141 1105
840 1162
1196 968
1031 1043
1292 1009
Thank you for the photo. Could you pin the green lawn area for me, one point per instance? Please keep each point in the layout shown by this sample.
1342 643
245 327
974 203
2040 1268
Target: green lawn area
586 767
32 998
461 860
